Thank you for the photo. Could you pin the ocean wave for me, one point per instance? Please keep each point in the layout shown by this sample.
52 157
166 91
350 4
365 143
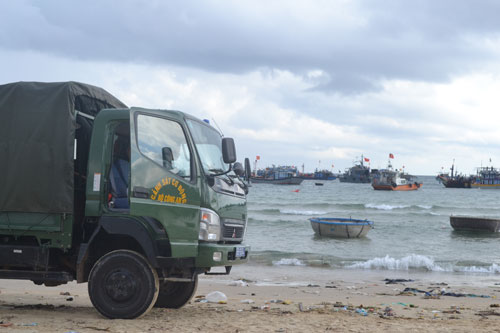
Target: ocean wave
420 262
414 261
385 207
392 207
301 212
493 269
288 262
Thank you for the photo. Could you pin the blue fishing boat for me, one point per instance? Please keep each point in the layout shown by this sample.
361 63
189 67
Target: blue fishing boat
340 227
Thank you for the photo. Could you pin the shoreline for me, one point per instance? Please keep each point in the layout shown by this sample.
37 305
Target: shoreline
276 299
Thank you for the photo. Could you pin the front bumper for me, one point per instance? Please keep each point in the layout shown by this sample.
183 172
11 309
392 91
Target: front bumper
228 257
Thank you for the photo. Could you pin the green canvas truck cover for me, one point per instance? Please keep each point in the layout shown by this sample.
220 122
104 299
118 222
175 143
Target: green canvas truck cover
38 124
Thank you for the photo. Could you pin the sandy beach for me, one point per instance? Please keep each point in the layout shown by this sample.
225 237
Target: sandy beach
277 299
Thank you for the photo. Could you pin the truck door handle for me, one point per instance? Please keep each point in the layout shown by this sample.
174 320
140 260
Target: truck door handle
140 192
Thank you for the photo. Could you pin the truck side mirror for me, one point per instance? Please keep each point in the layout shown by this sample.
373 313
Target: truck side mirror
238 169
228 150
248 169
167 156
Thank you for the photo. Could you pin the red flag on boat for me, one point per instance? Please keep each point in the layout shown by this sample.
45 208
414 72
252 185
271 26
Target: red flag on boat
367 159
296 190
391 156
257 157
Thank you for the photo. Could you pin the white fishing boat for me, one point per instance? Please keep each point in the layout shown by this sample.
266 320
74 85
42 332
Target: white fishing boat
340 227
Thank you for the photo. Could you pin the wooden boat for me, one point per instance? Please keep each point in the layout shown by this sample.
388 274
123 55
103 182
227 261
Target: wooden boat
340 227
470 223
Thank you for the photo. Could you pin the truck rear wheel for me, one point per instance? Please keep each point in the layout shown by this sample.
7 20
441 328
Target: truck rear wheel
122 284
175 294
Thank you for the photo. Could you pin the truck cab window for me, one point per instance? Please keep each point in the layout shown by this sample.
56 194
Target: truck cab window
119 174
164 142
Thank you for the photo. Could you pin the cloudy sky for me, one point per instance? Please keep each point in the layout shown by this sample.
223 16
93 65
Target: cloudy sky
296 82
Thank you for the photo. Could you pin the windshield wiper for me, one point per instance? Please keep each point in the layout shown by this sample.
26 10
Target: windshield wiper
216 170
220 172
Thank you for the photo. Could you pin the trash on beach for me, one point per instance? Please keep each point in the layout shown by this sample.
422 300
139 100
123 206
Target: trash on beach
388 312
3 324
238 283
247 301
464 295
496 305
29 324
488 313
442 292
313 285
279 301
394 281
64 293
362 312
70 298
301 308
216 297
263 307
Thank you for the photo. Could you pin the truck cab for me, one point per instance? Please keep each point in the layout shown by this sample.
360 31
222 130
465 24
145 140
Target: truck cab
157 200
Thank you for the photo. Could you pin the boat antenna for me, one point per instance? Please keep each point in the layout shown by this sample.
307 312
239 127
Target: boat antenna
222 134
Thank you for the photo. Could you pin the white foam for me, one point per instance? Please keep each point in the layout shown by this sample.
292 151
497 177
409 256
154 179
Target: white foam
301 212
288 262
493 269
385 207
424 206
413 261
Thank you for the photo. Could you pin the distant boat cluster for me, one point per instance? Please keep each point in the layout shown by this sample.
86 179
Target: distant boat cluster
288 175
388 179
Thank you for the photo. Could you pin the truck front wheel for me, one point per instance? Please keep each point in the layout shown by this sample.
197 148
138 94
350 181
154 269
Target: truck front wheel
176 294
122 284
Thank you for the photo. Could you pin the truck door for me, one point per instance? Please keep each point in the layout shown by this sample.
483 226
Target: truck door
164 182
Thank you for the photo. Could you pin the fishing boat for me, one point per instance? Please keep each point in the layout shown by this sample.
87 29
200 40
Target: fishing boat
359 173
394 180
277 175
470 223
487 178
454 180
277 181
340 227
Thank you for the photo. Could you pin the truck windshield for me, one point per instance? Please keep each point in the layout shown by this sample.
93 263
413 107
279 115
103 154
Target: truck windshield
209 145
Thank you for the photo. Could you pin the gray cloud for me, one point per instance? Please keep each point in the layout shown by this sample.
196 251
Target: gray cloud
423 40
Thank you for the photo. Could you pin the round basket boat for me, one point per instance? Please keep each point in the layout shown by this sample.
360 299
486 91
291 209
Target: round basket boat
340 227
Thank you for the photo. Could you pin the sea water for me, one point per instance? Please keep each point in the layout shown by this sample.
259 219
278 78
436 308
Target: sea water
412 232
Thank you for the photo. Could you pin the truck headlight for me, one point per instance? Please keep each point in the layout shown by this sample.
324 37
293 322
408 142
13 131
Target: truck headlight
209 226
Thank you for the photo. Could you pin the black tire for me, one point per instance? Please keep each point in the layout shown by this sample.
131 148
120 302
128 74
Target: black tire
122 284
175 294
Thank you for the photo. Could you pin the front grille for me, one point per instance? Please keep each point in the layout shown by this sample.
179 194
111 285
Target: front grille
233 232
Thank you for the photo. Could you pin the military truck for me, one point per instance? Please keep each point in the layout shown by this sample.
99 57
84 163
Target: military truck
181 212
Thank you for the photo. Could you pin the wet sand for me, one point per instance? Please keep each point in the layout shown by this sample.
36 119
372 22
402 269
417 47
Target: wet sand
277 299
